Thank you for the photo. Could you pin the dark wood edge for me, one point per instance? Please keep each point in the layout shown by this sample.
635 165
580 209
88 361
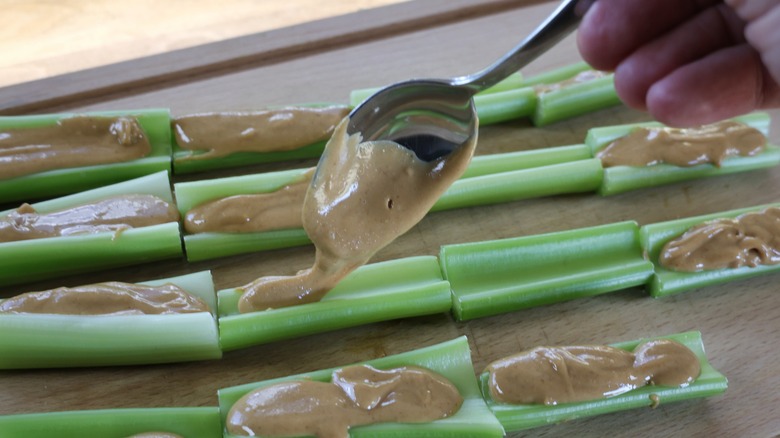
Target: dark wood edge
229 56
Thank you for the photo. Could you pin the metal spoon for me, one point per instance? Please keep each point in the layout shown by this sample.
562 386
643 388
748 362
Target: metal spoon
433 117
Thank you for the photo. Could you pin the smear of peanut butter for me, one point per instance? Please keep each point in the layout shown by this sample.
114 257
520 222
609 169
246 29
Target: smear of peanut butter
357 395
683 147
111 298
363 196
553 375
276 210
751 239
579 78
222 134
71 142
111 214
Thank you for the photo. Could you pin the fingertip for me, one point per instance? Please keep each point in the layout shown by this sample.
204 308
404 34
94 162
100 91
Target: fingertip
591 39
630 91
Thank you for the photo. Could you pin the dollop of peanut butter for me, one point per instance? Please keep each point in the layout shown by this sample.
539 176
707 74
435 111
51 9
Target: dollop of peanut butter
579 78
71 142
751 239
222 134
553 375
683 147
277 210
111 214
357 395
363 195
111 298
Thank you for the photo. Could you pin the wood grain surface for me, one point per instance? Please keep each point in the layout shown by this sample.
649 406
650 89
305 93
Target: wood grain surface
739 321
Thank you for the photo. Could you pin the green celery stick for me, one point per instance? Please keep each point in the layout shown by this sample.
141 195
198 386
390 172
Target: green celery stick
575 100
38 259
49 341
499 276
183 166
450 359
377 292
156 124
556 75
505 105
667 282
619 179
519 417
196 422
488 179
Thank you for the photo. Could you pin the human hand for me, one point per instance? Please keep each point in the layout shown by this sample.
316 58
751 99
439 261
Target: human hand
687 62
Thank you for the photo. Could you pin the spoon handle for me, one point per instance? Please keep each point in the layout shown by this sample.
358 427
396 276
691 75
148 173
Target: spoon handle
557 26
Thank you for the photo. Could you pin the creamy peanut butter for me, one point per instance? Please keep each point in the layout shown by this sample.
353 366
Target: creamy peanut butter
579 78
357 395
71 142
112 298
280 209
751 239
683 147
552 375
111 214
221 134
155 435
363 195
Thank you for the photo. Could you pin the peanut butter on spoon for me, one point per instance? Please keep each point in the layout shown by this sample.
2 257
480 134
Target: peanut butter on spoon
363 196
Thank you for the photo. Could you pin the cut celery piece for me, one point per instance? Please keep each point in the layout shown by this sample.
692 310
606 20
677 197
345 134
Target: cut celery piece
450 359
575 100
489 179
378 292
505 105
156 124
48 341
667 282
619 179
37 259
195 422
500 276
518 417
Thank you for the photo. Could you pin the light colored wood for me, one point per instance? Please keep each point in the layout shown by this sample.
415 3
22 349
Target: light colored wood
739 321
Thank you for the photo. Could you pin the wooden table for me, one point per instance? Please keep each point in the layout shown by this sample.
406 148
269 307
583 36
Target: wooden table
323 62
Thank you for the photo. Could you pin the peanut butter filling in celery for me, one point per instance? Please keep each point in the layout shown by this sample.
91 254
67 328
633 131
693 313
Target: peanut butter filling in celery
751 239
285 129
553 375
357 395
579 78
111 298
71 142
683 147
280 209
111 214
363 195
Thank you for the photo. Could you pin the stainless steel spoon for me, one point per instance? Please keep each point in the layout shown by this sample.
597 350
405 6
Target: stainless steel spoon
432 117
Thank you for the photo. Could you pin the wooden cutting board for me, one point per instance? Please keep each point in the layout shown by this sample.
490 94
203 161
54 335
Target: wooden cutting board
323 61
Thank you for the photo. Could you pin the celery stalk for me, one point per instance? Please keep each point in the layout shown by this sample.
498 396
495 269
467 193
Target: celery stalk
575 100
48 341
182 166
505 105
499 276
376 292
518 417
619 179
556 75
667 282
451 359
488 179
156 124
195 422
37 259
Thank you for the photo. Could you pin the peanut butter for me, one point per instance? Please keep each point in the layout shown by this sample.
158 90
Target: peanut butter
222 134
683 147
553 375
112 298
280 209
751 239
363 195
71 142
357 395
111 214
579 78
